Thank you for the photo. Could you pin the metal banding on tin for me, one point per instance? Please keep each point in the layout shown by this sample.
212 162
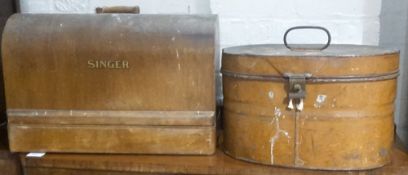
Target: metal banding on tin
334 79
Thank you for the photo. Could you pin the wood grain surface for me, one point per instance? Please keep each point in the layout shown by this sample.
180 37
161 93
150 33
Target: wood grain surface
170 62
111 83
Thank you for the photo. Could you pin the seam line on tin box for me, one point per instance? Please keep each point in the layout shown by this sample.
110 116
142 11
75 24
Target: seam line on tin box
333 79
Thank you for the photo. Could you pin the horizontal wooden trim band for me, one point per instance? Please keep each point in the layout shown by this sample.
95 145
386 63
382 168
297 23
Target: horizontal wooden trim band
112 139
99 117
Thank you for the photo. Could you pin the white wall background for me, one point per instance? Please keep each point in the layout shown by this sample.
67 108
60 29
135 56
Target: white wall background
254 21
88 6
265 21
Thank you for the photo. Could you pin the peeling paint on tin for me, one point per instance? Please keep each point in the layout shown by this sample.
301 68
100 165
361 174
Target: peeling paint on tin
177 54
334 102
355 69
299 162
278 132
271 95
320 99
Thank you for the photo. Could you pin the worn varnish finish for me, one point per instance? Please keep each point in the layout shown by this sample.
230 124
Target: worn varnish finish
111 83
343 126
219 163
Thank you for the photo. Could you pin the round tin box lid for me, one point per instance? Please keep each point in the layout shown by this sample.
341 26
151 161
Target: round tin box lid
331 51
335 63
323 63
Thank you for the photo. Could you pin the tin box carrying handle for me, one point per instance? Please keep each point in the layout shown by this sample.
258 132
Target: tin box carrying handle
307 27
118 9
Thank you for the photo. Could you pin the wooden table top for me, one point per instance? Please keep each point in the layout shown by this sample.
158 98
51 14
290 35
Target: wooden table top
9 163
215 164
4 151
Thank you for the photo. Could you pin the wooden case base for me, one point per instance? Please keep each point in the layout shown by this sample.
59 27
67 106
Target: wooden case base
144 133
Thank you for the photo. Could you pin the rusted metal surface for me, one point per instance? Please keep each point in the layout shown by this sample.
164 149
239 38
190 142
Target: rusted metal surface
342 121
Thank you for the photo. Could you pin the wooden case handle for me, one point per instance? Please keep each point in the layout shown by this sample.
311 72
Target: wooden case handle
119 9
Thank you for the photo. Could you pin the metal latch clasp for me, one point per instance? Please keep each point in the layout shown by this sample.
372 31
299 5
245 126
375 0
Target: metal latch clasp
297 90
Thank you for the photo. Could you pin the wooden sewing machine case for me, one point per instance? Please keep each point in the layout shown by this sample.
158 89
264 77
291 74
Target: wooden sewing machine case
110 83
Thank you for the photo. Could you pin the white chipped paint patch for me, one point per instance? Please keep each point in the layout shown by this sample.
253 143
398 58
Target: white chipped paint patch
118 19
278 132
271 95
320 99
299 162
355 69
177 54
334 102
277 112
36 155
